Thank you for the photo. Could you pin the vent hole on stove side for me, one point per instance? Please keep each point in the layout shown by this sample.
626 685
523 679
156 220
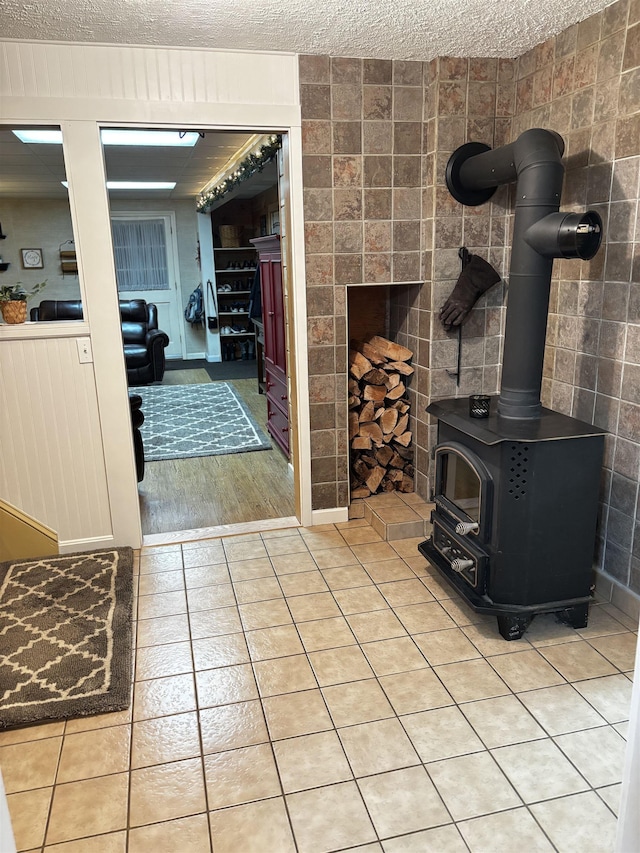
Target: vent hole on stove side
518 462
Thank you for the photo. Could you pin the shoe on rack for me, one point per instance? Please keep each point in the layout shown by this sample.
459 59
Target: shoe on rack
251 349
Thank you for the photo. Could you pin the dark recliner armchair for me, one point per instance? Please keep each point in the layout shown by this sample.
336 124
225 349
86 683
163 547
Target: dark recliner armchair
137 419
57 309
144 343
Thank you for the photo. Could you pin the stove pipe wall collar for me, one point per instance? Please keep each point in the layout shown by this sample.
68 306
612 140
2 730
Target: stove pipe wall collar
541 232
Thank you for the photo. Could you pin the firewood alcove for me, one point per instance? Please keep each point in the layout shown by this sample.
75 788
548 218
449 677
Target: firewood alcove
380 371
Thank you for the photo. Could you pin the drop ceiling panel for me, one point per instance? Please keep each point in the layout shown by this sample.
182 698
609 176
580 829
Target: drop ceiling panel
27 168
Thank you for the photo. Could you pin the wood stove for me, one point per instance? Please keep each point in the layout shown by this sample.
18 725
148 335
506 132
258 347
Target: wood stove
516 492
516 510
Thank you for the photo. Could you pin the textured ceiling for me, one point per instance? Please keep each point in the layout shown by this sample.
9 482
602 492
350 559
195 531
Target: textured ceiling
401 29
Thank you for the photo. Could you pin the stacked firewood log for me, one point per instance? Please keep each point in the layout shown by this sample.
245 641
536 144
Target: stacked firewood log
381 451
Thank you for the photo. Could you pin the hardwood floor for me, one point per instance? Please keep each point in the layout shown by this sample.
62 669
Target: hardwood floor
182 494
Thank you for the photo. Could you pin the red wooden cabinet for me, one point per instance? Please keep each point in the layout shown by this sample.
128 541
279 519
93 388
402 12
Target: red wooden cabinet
275 344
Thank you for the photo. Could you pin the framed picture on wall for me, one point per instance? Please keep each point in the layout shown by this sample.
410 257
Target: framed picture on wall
32 259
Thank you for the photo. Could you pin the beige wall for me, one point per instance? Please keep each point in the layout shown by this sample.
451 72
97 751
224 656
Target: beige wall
376 139
41 223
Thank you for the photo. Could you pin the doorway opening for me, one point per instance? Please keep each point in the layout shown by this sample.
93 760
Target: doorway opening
167 246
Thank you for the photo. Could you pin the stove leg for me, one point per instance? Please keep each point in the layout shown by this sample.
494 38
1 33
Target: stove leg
575 617
512 626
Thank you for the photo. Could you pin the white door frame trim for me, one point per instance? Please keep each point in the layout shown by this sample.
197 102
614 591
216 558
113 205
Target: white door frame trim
83 87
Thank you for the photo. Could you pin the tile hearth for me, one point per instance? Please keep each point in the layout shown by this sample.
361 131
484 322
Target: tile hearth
394 515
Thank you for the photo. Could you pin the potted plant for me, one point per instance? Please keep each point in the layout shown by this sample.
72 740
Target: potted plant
13 301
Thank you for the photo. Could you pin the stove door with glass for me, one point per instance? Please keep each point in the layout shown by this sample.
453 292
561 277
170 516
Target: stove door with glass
462 518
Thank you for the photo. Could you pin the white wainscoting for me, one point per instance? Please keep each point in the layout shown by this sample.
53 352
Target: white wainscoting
51 460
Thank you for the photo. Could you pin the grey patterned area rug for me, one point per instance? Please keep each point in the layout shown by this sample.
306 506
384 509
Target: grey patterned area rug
65 634
208 419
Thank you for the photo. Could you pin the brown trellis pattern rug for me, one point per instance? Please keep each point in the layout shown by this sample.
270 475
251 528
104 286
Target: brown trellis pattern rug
65 636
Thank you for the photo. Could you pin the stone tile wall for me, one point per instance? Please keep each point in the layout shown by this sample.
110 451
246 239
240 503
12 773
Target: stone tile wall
362 168
376 139
473 102
585 84
376 136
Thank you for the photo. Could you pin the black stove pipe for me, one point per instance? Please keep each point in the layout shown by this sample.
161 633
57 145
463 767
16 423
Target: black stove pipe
540 233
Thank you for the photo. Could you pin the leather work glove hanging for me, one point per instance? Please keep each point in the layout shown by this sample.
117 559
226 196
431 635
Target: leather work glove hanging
476 277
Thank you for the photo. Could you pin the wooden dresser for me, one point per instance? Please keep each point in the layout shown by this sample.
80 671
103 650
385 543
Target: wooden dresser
275 344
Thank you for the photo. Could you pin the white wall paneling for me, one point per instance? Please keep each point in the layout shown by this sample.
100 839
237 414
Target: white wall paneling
52 465
119 72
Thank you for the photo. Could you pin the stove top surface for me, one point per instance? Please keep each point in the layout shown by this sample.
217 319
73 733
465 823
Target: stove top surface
550 426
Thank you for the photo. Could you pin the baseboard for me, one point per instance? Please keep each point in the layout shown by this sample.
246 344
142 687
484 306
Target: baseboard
214 359
622 597
329 516
194 356
70 546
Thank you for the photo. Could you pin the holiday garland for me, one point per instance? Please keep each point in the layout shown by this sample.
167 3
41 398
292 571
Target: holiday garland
251 164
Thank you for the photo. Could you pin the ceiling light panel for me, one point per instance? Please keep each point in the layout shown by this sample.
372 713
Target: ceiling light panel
155 138
141 185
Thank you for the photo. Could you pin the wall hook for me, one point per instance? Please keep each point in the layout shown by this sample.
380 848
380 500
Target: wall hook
464 255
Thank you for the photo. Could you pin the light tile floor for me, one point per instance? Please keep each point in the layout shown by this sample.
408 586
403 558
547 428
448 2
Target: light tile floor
320 690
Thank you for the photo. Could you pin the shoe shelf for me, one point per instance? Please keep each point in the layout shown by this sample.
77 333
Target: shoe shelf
235 270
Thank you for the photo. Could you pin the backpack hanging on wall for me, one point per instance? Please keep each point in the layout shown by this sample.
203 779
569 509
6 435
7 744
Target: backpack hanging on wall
194 312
